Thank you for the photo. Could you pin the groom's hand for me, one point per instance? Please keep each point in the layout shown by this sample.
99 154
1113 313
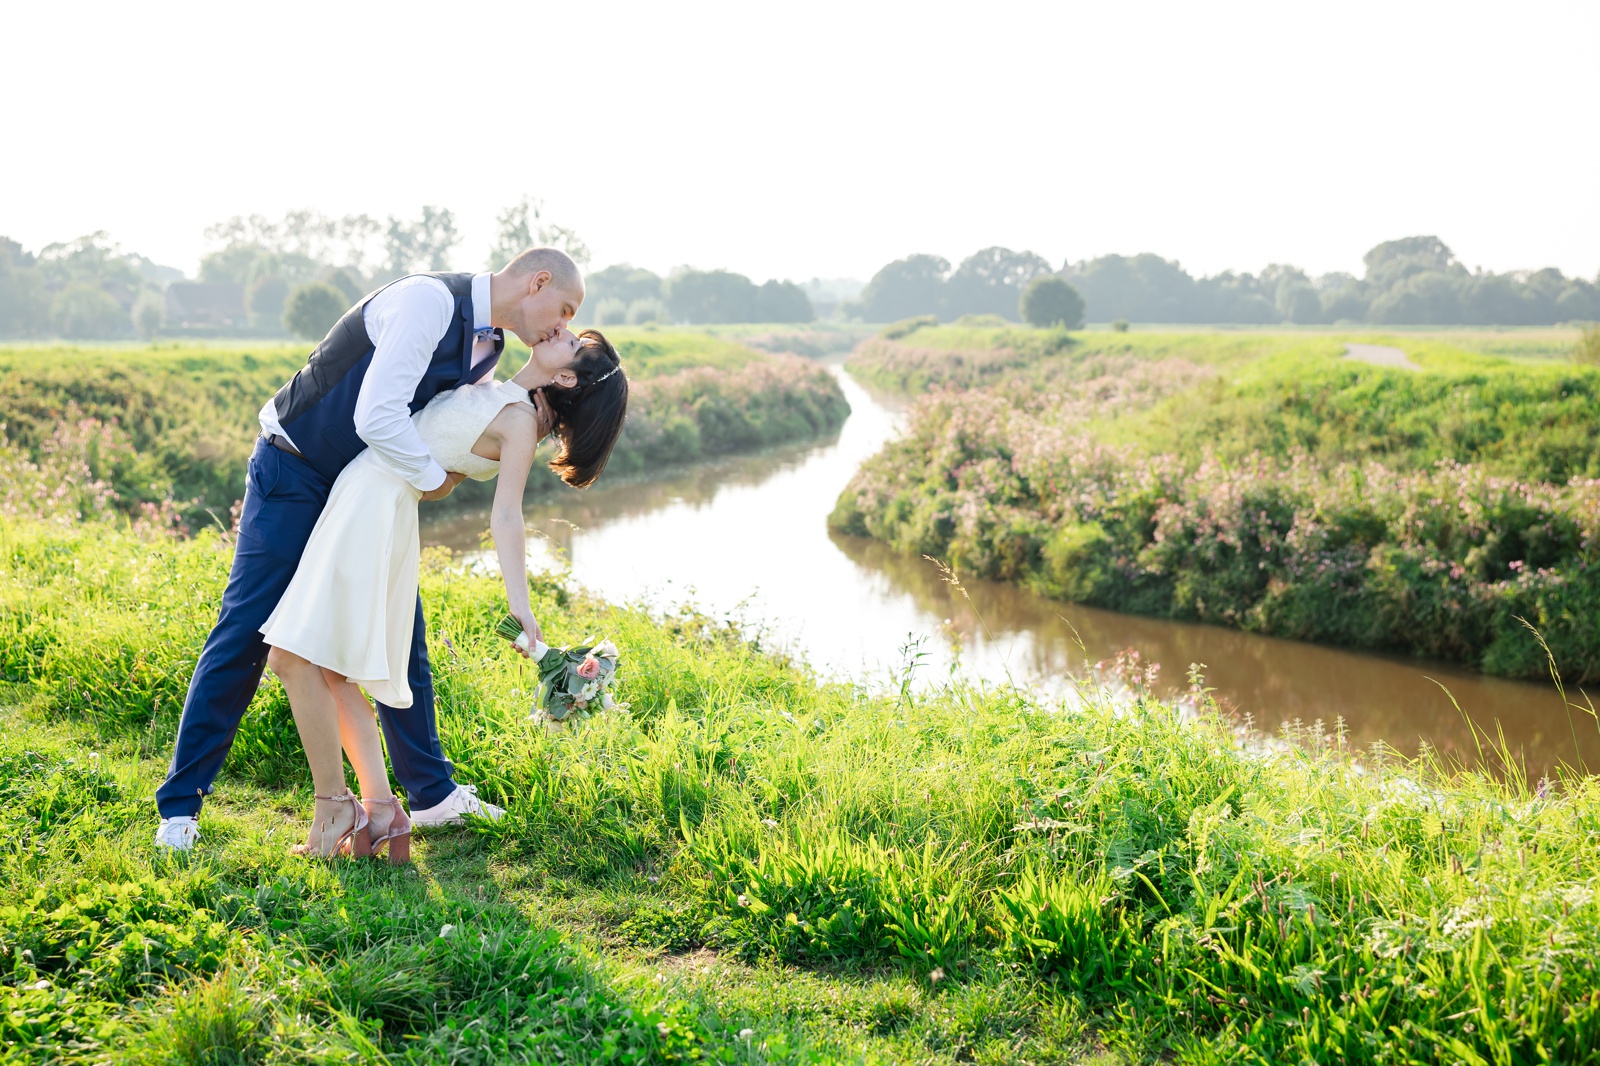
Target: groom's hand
451 480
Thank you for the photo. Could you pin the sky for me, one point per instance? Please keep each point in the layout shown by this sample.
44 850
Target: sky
822 139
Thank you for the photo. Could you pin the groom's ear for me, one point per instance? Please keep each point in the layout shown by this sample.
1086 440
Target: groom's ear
537 281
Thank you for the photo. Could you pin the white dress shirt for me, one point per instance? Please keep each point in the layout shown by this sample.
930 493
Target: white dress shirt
405 323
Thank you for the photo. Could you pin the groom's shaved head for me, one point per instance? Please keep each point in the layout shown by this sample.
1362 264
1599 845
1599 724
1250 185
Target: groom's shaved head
564 273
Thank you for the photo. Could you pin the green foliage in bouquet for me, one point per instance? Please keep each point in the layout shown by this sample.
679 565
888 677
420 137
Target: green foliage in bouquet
573 681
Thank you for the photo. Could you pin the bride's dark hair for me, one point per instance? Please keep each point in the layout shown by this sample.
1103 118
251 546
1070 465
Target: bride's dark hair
589 415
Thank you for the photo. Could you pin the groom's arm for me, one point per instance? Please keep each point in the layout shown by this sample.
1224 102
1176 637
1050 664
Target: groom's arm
404 322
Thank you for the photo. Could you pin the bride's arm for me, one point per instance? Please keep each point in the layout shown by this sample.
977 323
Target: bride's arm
517 447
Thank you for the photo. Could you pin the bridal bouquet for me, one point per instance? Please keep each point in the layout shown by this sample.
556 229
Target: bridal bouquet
574 682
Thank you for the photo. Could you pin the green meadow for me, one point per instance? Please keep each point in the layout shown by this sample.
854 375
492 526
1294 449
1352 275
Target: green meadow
751 866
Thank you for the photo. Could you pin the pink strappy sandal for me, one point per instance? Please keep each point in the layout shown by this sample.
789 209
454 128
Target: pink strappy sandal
398 837
354 842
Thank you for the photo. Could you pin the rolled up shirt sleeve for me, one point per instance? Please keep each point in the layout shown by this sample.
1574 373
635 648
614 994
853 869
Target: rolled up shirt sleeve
405 322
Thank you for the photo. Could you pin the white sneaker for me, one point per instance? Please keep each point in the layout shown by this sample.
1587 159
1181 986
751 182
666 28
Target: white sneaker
179 833
464 800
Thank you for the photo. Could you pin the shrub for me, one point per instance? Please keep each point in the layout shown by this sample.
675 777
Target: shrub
312 309
1050 301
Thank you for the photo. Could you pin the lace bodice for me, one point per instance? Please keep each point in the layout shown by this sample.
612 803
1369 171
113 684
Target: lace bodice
453 421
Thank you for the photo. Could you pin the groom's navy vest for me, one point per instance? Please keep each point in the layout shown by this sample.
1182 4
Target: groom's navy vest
317 407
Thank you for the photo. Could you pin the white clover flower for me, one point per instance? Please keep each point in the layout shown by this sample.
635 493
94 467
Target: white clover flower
746 1034
446 932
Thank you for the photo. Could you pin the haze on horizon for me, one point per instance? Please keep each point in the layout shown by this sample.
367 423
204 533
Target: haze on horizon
823 139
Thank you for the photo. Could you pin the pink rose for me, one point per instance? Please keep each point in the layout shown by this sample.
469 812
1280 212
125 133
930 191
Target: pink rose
589 669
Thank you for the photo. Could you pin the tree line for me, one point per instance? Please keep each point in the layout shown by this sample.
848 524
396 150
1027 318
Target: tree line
1412 281
628 294
297 274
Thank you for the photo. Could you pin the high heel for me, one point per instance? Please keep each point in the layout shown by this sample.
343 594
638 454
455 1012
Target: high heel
355 841
398 835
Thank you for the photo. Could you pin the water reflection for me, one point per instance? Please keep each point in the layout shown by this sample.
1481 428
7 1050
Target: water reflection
1274 681
747 538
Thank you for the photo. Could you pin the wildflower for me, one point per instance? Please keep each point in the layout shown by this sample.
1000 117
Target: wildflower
746 1034
936 975
446 932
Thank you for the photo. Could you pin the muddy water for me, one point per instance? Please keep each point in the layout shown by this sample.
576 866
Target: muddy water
747 539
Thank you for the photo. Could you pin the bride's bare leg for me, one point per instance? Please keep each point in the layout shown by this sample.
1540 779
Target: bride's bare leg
358 730
316 716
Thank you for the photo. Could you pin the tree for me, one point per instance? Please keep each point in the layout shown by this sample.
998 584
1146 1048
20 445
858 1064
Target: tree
1394 261
1140 288
264 299
652 310
905 288
312 309
991 282
782 301
622 282
149 313
519 227
1050 301
702 296
85 311
421 245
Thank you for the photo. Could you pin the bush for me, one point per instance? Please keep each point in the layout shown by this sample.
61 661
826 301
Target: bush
1050 301
1120 326
312 309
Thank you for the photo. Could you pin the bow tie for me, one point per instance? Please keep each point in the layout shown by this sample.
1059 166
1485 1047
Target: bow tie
485 334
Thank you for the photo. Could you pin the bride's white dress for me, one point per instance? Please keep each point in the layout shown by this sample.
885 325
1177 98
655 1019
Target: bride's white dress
352 602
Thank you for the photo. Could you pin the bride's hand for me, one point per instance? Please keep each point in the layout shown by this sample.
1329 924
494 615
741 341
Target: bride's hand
530 626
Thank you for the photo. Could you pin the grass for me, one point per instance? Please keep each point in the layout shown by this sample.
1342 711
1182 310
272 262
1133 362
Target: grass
163 431
966 875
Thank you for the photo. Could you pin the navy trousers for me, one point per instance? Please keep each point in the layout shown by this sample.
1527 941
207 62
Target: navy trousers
283 497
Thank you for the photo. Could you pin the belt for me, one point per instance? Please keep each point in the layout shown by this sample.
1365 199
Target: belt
282 444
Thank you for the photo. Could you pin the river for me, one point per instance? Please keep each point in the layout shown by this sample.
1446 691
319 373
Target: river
746 539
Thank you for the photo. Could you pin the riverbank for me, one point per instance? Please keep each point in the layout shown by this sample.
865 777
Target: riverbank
162 432
964 874
1257 481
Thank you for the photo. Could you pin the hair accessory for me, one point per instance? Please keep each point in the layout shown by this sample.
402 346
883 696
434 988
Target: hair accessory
602 377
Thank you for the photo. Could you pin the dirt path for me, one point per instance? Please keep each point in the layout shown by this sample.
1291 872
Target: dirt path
1380 355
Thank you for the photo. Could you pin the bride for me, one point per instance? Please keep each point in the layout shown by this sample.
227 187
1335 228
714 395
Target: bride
345 622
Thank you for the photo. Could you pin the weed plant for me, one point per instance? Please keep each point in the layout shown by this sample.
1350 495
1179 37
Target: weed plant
963 875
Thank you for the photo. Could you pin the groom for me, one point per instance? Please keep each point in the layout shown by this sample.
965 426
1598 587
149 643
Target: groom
383 361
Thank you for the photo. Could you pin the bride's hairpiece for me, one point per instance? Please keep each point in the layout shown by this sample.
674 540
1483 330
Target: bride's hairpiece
602 377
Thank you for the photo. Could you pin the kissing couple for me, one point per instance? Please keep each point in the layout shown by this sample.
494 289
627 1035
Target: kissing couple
395 406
